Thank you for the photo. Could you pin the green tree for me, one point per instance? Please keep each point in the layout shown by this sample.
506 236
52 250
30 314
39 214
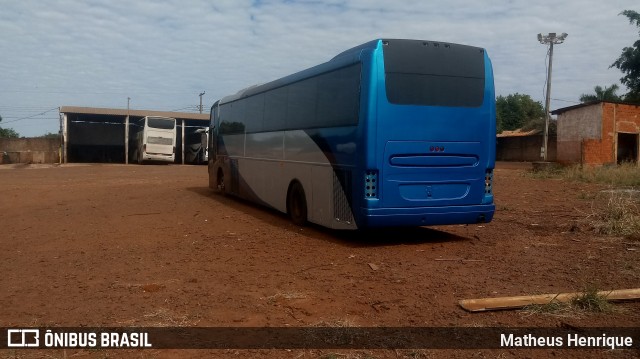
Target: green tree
606 94
516 110
50 135
629 62
7 132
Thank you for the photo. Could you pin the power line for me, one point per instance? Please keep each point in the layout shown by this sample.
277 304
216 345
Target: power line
32 116
39 118
30 108
563 100
193 107
89 92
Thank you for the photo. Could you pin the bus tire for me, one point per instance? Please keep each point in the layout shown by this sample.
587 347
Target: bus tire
297 204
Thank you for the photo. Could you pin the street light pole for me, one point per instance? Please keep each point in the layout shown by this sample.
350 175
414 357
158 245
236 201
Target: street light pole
201 94
550 39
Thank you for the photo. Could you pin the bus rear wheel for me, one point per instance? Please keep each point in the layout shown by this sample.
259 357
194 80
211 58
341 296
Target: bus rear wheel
297 204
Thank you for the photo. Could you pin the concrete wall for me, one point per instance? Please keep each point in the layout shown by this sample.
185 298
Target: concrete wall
524 148
29 150
574 127
589 134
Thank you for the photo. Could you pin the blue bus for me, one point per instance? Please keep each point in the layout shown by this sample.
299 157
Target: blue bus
389 133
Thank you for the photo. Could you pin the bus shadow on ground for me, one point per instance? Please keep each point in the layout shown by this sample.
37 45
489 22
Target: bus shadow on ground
389 236
395 235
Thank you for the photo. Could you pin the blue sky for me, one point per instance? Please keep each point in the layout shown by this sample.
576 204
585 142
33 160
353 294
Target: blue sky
162 54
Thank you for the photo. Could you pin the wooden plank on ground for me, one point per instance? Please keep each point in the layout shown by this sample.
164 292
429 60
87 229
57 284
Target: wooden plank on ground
486 304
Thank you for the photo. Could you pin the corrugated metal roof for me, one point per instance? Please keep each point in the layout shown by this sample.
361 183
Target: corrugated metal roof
518 133
137 113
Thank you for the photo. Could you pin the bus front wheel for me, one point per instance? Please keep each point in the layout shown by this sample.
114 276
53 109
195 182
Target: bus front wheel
297 204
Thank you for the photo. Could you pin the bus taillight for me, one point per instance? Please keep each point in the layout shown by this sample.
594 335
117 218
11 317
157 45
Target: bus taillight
371 184
488 182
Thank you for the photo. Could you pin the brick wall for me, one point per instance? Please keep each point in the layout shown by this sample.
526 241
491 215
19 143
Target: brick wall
574 126
615 118
588 135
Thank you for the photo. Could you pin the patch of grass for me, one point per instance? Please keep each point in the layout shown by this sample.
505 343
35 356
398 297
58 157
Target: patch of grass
549 172
554 308
587 301
619 216
623 175
590 300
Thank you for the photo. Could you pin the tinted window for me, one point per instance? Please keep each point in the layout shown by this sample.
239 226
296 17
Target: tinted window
228 123
328 100
301 104
254 112
338 97
433 74
275 113
162 123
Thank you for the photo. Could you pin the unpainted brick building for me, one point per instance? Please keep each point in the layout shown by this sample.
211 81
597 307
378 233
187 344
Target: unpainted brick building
598 133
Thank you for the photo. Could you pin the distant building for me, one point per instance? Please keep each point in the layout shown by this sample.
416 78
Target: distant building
519 145
98 134
598 133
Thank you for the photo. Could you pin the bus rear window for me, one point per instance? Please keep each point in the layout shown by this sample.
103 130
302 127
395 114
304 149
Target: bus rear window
433 74
161 123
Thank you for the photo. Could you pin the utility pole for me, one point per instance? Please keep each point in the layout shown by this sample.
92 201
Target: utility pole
201 94
126 135
550 39
61 133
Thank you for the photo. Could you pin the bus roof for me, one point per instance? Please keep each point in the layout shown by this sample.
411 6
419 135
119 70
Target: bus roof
343 59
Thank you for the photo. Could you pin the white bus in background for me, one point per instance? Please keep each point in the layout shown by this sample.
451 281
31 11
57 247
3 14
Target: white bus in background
155 140
196 151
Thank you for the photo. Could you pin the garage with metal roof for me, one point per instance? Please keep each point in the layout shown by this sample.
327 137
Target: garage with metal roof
104 135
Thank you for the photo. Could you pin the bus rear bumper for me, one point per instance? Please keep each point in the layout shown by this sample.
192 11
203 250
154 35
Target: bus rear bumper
160 157
426 216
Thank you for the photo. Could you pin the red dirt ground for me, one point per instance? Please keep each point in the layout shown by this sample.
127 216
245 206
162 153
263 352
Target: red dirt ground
116 245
